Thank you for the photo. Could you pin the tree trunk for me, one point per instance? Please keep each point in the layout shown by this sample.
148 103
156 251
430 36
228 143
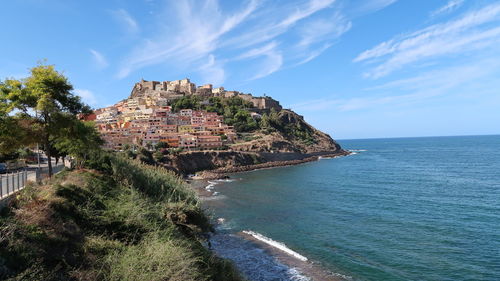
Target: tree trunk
49 158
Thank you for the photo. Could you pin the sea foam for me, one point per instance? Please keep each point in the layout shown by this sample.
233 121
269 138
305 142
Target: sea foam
275 244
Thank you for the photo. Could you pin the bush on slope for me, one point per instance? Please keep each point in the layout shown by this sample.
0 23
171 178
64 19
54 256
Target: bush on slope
129 221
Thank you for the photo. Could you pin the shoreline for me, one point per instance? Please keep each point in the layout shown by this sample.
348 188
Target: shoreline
302 267
223 173
234 245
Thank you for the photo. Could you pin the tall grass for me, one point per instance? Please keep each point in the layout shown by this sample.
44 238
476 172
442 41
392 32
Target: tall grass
156 182
129 221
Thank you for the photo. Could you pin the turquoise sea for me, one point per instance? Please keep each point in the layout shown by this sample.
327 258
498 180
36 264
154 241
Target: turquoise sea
399 209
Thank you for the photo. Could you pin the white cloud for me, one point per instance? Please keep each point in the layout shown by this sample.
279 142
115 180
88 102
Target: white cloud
449 7
469 33
427 85
274 26
272 63
193 33
87 96
213 71
193 39
370 6
323 28
127 21
99 59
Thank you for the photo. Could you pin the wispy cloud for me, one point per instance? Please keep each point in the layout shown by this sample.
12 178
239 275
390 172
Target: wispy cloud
449 7
99 59
471 32
322 29
266 37
126 20
431 84
87 96
213 71
370 6
191 38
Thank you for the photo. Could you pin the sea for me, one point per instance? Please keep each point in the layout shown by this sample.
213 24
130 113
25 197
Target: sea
423 208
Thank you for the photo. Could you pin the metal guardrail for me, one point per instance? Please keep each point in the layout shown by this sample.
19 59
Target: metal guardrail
15 181
12 182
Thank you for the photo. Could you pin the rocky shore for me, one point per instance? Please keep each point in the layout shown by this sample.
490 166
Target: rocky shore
221 173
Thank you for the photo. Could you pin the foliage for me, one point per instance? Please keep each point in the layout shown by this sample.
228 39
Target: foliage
161 145
42 105
130 222
272 122
80 140
14 130
186 102
158 156
145 156
234 110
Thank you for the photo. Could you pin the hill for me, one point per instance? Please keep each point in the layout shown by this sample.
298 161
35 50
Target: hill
123 221
181 115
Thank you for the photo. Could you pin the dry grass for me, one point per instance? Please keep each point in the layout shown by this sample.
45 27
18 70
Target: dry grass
135 223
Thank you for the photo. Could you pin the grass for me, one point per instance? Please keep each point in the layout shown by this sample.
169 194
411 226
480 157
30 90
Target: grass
128 221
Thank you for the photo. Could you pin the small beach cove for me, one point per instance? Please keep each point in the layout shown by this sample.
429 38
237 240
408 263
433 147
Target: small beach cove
258 257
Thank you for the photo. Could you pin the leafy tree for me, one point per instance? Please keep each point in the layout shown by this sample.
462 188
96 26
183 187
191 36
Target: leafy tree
80 140
14 129
243 122
186 102
161 145
145 156
158 156
45 103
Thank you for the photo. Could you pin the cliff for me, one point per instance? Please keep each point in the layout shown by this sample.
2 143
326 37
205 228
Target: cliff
192 162
288 132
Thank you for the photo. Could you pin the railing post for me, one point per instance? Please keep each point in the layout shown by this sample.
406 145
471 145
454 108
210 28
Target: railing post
8 178
1 186
18 180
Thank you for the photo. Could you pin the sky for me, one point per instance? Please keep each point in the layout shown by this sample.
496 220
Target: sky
352 68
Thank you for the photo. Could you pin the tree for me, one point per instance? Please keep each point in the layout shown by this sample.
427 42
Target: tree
80 140
186 102
14 133
161 145
45 102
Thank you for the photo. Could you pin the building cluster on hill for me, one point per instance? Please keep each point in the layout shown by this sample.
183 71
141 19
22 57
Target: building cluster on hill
167 91
146 118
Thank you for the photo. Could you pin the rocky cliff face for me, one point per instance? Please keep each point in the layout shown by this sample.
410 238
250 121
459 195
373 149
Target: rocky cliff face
292 135
192 162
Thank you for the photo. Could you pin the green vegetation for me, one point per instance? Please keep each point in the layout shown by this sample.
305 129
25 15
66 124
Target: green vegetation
274 122
186 102
124 221
234 110
42 109
114 218
236 113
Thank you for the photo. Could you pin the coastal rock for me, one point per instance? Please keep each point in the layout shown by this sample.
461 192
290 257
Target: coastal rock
293 135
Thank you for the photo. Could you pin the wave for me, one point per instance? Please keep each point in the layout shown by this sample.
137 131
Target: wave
358 150
275 244
210 186
252 261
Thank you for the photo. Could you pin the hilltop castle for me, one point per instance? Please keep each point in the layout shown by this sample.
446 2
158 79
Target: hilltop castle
171 90
146 117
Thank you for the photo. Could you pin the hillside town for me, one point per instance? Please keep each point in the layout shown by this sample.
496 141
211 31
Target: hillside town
146 118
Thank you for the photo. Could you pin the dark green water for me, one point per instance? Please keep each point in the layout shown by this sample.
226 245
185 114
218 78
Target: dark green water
400 209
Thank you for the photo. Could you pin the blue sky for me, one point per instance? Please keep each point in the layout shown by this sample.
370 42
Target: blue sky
353 68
